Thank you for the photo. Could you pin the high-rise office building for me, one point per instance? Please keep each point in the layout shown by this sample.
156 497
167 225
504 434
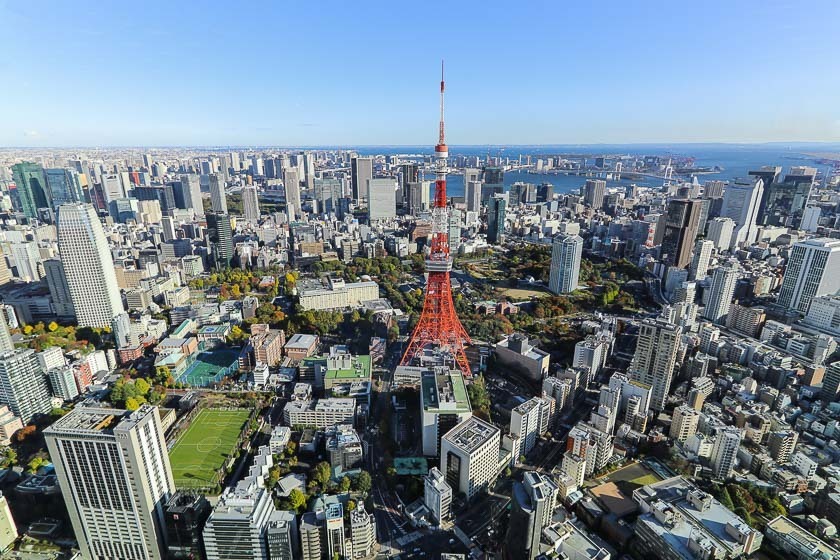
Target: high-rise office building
496 219
419 199
437 495
250 204
327 194
382 199
236 529
334 530
218 198
361 171
682 224
566 253
725 451
23 385
654 359
831 383
532 507
444 404
185 514
282 536
191 193
700 261
813 269
27 258
63 187
740 203
783 203
473 196
469 456
6 344
720 232
87 262
409 173
114 473
291 182
220 236
593 193
31 187
494 182
724 279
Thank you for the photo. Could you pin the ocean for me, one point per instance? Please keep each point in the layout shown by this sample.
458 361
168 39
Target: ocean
735 160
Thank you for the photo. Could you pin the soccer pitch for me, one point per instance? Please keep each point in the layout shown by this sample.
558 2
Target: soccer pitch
206 446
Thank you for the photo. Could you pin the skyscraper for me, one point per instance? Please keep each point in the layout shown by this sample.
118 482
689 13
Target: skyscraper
494 182
813 269
63 187
593 193
250 204
566 251
361 170
720 232
496 219
473 196
682 224
700 260
59 289
831 383
654 359
533 503
23 386
409 173
783 203
382 199
31 187
218 199
220 236
725 451
469 456
724 279
88 265
740 203
418 197
191 193
114 473
185 515
291 182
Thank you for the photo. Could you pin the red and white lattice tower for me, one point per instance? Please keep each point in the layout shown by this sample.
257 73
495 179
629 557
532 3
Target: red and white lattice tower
439 327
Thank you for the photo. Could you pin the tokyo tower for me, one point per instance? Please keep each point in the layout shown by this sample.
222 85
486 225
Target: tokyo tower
439 327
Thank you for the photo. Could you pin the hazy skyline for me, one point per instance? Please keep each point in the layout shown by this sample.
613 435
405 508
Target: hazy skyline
270 73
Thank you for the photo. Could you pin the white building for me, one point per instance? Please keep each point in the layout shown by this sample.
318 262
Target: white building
566 251
338 294
684 423
23 386
362 531
382 199
250 204
740 203
320 413
700 261
218 200
720 232
654 359
114 473
89 267
444 403
469 456
813 270
824 314
437 495
725 451
526 423
724 279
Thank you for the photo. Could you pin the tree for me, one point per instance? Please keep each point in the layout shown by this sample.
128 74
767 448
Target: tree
131 403
351 505
363 482
344 485
479 397
53 326
24 433
36 463
142 387
8 457
297 499
321 473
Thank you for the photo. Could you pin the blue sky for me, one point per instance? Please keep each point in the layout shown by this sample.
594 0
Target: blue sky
366 73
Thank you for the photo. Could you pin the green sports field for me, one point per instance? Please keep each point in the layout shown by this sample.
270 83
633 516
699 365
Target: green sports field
204 448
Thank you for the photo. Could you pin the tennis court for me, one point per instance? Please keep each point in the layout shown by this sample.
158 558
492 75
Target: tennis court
210 367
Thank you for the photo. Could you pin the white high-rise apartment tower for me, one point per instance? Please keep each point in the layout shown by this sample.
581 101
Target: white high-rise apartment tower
88 265
23 386
725 451
720 232
724 279
700 261
813 269
115 477
566 252
654 359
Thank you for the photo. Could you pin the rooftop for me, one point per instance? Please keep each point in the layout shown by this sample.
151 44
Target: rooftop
471 434
444 390
302 341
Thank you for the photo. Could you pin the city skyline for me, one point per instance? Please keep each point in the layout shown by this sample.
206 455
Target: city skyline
199 77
